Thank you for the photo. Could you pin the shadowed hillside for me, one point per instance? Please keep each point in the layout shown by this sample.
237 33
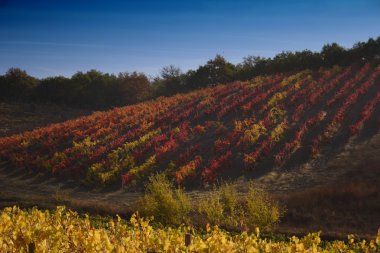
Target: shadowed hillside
20 117
270 123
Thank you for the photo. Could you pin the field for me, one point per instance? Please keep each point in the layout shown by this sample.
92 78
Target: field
311 139
245 129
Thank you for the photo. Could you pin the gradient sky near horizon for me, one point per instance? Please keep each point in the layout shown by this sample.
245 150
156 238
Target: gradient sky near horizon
61 37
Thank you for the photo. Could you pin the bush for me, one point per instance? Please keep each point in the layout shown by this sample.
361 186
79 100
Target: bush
161 200
260 209
224 206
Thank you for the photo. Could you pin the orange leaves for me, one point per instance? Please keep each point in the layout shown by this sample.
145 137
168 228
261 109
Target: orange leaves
215 167
188 170
221 145
199 130
365 114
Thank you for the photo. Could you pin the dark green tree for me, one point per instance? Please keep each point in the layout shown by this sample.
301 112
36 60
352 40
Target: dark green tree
170 81
216 71
333 54
133 87
16 84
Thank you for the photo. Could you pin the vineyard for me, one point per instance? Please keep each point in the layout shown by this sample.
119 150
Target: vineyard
227 131
65 231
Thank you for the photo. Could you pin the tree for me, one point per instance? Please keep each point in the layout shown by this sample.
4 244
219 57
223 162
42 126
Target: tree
250 67
220 71
134 87
16 84
170 82
333 54
92 89
53 89
216 71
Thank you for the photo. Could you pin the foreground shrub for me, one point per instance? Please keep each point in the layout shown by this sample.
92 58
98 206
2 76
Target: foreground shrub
260 210
226 207
161 200
221 206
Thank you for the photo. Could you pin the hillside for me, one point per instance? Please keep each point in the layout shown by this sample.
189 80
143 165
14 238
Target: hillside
266 125
20 117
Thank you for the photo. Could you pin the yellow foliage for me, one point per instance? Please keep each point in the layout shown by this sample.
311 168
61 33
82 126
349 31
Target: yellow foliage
253 134
118 161
276 98
277 115
277 133
294 78
66 231
85 146
147 165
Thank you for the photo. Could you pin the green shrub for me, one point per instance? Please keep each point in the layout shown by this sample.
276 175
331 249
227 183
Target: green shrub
161 200
260 209
221 206
224 206
212 208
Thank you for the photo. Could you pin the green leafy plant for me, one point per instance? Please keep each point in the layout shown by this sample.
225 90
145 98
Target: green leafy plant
167 204
225 206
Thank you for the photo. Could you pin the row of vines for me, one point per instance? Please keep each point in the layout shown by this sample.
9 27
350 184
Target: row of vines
203 135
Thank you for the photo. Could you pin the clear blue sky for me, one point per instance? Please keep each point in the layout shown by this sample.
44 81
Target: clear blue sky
60 37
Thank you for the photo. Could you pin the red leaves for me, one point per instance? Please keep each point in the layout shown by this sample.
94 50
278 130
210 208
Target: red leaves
183 132
179 125
247 108
352 99
188 170
199 130
215 166
292 146
299 110
185 156
221 129
317 94
340 115
252 158
150 146
288 149
167 147
348 85
221 145
126 179
365 115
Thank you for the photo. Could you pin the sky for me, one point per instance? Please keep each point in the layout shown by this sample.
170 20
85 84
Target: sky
61 37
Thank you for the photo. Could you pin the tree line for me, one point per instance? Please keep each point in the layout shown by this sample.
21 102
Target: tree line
96 90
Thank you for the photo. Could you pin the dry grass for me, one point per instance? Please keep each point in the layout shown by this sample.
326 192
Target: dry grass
338 209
